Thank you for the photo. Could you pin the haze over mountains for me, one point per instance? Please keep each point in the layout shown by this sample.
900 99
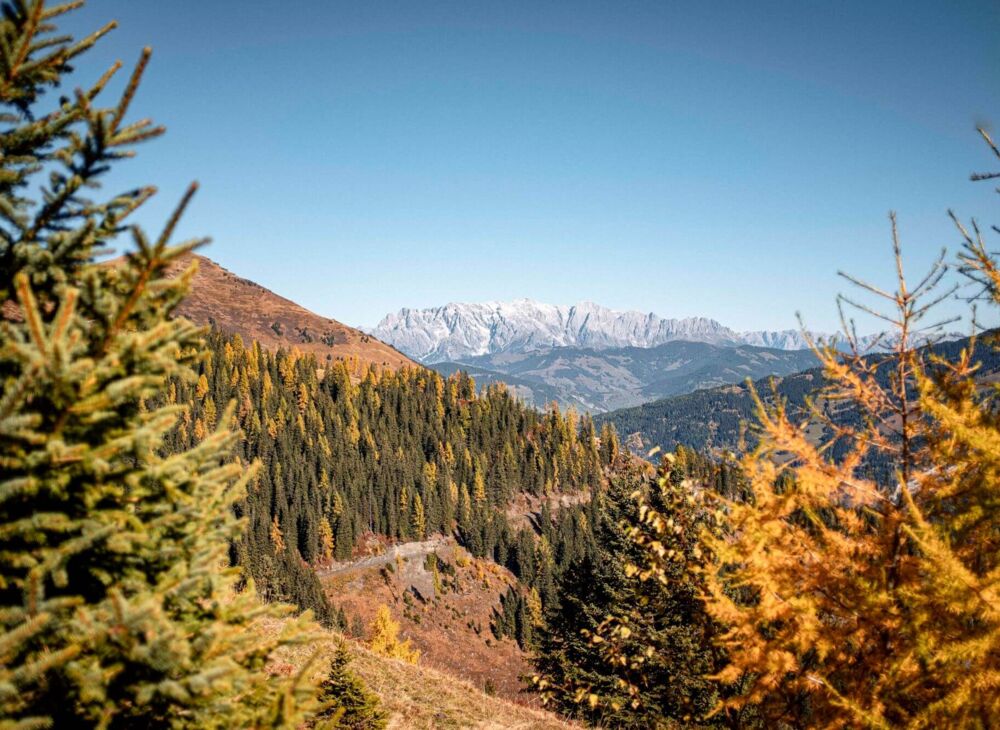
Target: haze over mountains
602 380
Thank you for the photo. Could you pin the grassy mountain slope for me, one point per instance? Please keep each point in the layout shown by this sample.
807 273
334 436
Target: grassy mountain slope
240 306
444 607
417 697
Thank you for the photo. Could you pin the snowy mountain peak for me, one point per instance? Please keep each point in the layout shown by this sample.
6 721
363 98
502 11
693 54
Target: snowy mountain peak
460 330
457 331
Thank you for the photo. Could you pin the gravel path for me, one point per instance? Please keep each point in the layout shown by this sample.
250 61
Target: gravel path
406 551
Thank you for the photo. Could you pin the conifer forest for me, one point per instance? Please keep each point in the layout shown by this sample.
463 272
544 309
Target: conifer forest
220 507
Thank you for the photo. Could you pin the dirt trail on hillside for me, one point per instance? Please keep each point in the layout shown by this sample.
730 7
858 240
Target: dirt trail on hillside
405 551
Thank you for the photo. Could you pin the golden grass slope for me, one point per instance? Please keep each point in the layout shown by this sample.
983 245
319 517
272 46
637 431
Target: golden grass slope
240 306
418 697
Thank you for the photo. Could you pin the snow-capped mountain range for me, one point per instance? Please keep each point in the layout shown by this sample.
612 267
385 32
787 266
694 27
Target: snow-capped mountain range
455 332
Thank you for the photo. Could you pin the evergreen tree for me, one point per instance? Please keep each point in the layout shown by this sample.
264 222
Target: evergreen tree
116 609
660 641
347 703
419 525
572 671
620 649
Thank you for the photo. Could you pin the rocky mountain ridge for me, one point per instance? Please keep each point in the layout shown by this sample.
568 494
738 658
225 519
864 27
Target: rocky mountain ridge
459 331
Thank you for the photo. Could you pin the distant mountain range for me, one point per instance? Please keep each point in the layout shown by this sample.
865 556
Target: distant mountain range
457 332
591 357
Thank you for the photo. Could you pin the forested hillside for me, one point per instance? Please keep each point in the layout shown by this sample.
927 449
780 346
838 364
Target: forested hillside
402 454
180 503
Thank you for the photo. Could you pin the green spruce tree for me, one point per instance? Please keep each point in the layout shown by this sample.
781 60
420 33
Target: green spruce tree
627 647
347 703
116 608
572 671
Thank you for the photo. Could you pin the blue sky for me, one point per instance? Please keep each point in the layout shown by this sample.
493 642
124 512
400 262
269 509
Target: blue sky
717 159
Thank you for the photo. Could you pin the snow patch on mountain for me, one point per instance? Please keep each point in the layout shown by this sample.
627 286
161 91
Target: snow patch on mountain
776 339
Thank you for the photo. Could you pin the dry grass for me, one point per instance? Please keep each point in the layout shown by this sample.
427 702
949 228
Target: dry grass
418 697
236 305
451 625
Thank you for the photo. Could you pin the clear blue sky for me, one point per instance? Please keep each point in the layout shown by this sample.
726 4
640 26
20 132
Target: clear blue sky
704 158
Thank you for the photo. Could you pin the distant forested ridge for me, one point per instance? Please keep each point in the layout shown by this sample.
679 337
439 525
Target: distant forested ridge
714 419
599 380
